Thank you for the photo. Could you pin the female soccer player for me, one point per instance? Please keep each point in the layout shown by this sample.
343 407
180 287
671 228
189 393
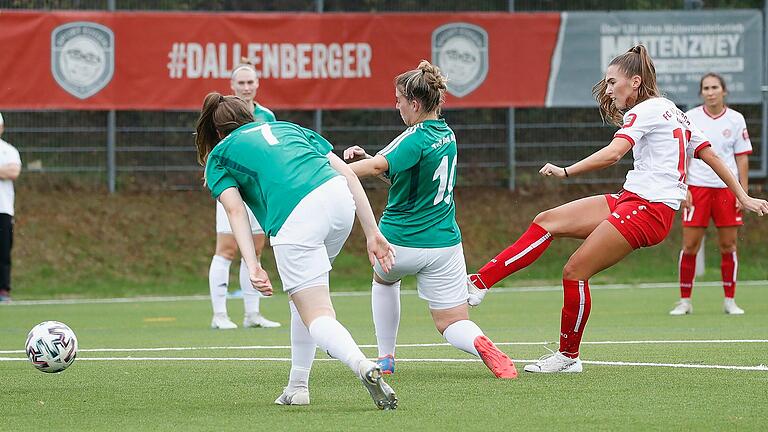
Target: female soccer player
420 222
289 177
244 84
709 197
660 137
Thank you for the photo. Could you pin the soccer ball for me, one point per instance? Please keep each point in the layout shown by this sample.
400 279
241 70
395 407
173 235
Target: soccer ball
51 346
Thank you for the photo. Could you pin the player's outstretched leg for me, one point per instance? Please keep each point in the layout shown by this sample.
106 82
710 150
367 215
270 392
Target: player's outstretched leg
385 304
465 335
302 356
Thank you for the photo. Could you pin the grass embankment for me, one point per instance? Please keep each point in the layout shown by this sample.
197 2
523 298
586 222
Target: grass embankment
87 244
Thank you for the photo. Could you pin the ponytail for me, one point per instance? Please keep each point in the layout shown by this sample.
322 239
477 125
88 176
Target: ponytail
220 116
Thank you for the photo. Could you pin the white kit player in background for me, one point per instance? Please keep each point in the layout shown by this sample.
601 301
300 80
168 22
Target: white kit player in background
709 198
10 168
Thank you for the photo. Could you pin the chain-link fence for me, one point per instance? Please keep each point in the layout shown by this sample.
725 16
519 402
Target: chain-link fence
154 150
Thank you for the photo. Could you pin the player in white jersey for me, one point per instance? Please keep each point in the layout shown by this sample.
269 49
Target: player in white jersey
244 85
710 198
661 139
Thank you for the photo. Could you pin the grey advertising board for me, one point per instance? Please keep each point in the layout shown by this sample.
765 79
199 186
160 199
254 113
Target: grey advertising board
684 45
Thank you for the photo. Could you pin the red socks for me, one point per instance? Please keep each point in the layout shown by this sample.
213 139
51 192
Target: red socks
576 306
521 254
729 265
687 273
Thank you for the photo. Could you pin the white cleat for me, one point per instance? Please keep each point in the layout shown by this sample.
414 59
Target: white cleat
554 363
476 294
683 307
731 308
298 396
258 320
381 393
222 322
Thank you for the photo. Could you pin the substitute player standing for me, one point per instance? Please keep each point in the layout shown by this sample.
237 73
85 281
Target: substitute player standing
709 198
613 225
420 221
244 84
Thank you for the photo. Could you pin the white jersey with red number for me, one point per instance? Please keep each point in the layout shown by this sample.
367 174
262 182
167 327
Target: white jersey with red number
662 140
729 137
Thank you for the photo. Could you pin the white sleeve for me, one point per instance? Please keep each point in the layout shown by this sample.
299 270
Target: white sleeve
637 123
697 140
743 145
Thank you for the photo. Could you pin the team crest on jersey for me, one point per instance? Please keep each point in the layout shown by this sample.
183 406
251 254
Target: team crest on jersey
726 133
82 57
461 52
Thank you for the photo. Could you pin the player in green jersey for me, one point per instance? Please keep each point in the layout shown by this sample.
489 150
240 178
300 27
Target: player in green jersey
244 84
305 198
419 220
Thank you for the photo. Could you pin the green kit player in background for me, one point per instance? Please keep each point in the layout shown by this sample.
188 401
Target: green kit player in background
420 222
305 198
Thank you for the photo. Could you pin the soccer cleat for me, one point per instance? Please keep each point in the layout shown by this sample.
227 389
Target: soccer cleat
5 296
298 396
222 322
381 393
555 362
235 294
258 320
387 364
498 362
731 308
477 289
683 307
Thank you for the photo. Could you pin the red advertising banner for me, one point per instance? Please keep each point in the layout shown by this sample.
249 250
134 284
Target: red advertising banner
169 61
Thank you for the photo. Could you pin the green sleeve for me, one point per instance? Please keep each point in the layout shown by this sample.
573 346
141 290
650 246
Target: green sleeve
318 142
217 178
403 155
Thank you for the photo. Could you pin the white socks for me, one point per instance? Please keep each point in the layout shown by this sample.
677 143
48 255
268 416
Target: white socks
462 334
334 338
385 303
251 296
218 279
302 352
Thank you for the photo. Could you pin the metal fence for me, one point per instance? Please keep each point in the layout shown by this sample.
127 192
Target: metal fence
154 150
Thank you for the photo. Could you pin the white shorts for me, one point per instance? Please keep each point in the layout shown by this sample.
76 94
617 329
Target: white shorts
222 221
441 274
313 235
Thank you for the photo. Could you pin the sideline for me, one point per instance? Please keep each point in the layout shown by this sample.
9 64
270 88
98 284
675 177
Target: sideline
366 293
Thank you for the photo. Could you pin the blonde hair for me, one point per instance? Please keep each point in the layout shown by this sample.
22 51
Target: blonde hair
635 61
220 115
244 64
426 84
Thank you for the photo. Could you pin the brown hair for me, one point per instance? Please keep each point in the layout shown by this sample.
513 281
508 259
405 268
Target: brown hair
426 84
712 75
635 61
220 115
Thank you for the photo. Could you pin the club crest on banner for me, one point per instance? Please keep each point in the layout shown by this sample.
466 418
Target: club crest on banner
82 57
461 52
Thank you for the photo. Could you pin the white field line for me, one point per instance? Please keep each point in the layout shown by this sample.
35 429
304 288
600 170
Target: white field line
424 360
366 293
413 345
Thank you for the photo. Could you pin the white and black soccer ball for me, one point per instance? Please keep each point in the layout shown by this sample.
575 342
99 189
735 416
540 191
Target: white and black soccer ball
51 346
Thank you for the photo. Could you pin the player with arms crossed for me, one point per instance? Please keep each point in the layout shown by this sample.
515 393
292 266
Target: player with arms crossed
306 198
613 225
244 84
420 221
709 197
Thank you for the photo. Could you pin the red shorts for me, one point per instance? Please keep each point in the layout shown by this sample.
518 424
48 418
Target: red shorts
716 203
642 223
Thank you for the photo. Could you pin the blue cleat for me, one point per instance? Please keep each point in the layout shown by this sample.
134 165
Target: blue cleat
386 364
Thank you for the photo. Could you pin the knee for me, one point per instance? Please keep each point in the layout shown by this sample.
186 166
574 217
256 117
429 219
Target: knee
544 220
226 249
727 247
571 271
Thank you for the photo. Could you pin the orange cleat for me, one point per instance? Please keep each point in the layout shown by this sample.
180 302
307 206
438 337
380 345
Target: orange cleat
498 362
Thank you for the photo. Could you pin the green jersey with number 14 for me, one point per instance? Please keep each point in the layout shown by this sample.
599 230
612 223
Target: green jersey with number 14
422 166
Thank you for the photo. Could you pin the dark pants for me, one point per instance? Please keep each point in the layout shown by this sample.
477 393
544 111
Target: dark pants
6 243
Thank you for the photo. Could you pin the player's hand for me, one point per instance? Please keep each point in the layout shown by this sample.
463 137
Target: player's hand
380 250
552 170
688 202
758 206
260 281
355 153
